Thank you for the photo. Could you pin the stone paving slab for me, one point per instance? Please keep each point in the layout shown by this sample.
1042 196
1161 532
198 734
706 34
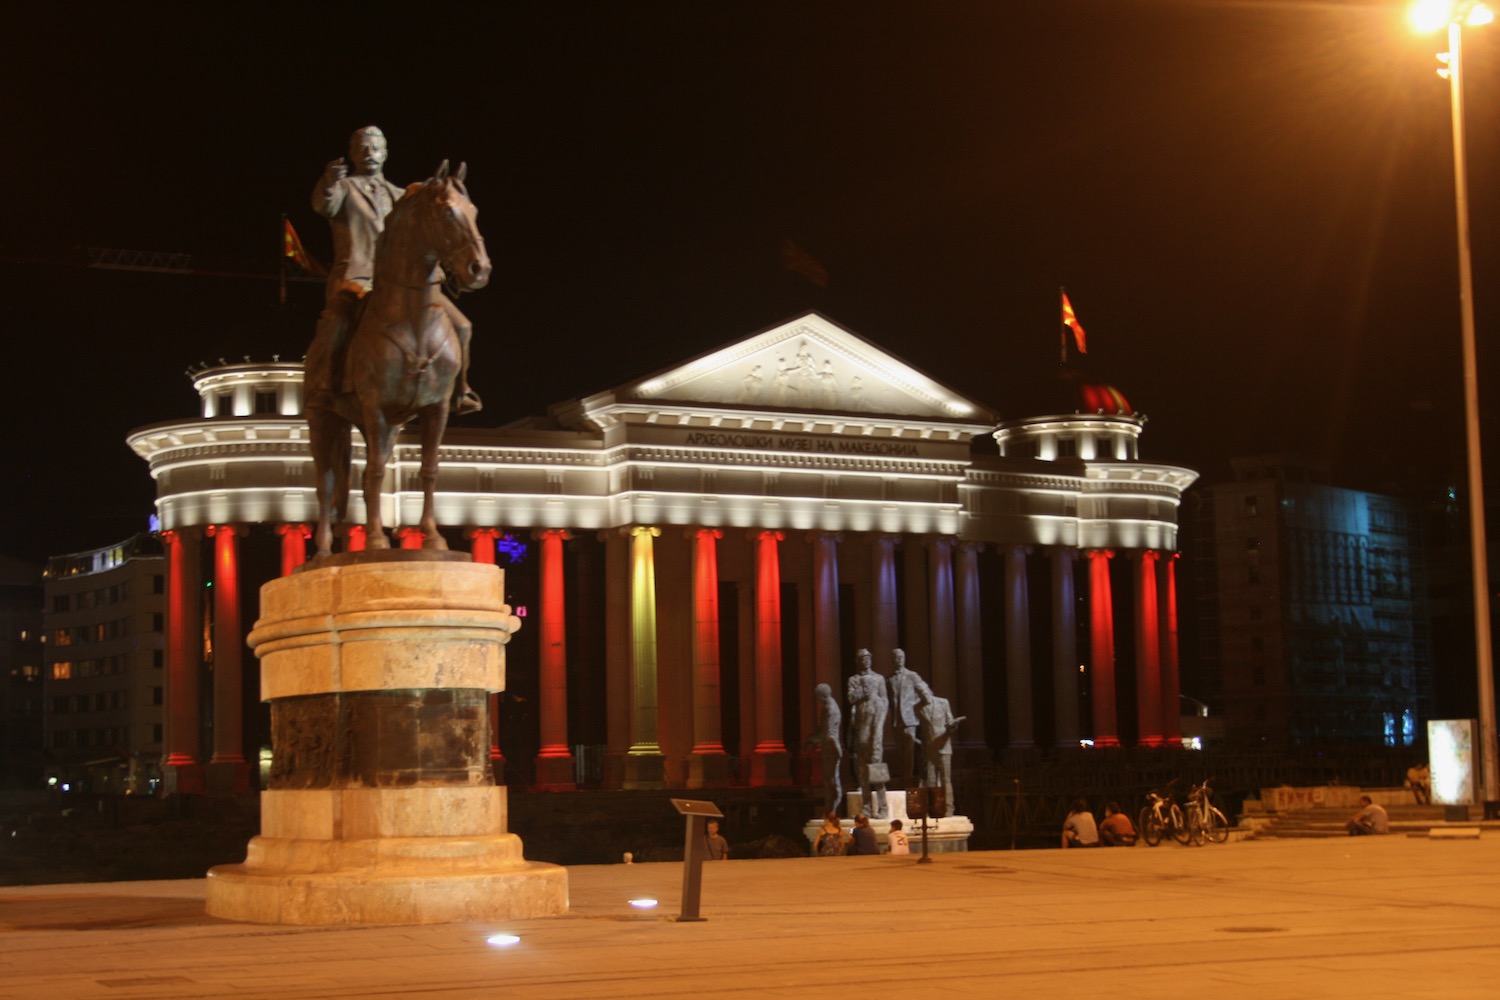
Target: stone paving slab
1395 915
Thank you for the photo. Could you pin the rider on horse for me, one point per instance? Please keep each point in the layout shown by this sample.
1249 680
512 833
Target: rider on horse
356 208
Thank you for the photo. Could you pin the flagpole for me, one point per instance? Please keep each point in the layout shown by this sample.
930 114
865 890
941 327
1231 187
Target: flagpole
282 269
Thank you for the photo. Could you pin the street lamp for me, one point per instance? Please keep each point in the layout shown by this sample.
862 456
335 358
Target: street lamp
1429 15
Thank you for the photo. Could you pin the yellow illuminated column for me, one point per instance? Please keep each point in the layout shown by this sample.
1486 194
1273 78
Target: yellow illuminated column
970 647
643 762
1018 649
554 760
1064 648
770 764
708 764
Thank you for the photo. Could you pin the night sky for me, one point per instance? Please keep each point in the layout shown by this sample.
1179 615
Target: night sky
1250 204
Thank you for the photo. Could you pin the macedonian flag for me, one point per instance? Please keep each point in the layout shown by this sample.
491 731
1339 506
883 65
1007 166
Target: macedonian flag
293 250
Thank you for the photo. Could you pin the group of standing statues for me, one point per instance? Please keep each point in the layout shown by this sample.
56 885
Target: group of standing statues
922 725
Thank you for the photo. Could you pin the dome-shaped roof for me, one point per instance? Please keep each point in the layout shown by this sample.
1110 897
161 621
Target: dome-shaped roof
1097 397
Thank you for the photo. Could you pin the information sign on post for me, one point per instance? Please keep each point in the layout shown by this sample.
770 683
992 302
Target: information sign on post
697 814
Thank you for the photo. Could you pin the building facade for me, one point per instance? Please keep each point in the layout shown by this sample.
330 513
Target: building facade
695 550
1315 618
103 624
21 755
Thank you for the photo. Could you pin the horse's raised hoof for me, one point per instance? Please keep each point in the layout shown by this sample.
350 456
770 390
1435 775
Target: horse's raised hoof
467 401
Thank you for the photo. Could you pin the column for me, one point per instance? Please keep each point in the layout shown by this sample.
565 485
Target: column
916 635
708 764
293 546
409 537
825 625
482 550
355 542
1171 679
883 598
971 735
554 761
770 764
227 773
181 771
1102 649
826 609
940 618
643 761
1147 652
482 544
1018 650
617 655
1064 648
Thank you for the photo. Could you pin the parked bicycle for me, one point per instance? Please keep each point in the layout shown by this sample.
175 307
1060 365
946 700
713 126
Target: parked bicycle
1162 817
1205 822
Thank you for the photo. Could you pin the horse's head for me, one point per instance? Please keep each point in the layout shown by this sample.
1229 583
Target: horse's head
450 226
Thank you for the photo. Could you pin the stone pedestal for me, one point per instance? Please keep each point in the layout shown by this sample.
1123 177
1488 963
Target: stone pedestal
944 835
381 808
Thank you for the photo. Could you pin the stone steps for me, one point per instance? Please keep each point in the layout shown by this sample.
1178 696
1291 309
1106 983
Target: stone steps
1406 818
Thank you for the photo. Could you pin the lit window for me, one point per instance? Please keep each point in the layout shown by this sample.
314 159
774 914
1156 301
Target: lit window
62 671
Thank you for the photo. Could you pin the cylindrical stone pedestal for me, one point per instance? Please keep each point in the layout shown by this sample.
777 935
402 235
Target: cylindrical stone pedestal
381 808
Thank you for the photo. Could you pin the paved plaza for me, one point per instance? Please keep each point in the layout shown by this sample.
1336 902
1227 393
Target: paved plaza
1391 916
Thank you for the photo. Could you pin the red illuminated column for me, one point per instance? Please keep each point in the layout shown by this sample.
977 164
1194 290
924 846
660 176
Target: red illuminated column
181 771
970 648
708 764
227 773
355 542
1064 648
1171 680
482 544
770 764
1018 649
1147 652
941 616
410 538
1102 649
554 761
293 546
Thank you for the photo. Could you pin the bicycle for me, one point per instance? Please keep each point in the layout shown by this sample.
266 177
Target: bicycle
1162 817
1205 822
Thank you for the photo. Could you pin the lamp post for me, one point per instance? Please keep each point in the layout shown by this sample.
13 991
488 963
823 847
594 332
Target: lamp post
1455 14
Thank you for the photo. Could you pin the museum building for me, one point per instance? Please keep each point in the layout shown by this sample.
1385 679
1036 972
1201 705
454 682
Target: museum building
694 551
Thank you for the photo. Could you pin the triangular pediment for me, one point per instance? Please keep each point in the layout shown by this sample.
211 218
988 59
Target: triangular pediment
807 364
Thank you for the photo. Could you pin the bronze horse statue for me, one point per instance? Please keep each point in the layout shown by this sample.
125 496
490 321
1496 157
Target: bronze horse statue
403 355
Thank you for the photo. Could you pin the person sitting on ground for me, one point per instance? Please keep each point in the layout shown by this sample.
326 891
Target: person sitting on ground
715 847
896 839
864 837
1419 780
1371 818
1079 829
1116 830
831 841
